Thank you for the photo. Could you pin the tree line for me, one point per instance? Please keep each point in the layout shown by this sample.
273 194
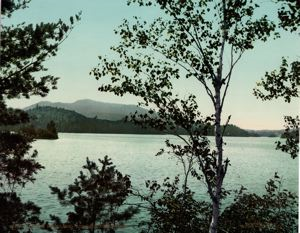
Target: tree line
73 122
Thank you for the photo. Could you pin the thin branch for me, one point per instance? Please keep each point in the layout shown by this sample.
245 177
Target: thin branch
225 126
209 188
228 76
202 52
224 35
207 89
198 44
225 167
173 60
179 136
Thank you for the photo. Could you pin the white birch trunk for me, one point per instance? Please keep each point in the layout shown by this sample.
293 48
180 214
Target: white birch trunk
219 145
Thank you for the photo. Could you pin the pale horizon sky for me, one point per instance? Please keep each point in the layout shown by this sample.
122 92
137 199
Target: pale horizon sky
93 36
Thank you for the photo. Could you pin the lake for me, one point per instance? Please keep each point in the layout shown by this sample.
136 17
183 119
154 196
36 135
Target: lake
253 161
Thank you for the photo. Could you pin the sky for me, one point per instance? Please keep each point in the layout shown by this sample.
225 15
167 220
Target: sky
94 35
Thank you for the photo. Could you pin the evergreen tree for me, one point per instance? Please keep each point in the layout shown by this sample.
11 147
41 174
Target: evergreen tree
24 48
97 196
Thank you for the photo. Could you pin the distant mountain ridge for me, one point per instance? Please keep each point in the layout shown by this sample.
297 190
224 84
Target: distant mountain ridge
89 116
73 122
94 109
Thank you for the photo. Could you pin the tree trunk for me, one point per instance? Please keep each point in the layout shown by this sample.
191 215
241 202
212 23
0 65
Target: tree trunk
213 228
219 145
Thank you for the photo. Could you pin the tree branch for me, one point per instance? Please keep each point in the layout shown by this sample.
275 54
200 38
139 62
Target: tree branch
228 76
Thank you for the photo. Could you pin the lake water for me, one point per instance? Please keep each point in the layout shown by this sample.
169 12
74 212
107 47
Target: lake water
253 161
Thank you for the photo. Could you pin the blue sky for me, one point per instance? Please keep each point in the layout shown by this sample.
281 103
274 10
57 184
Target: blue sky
93 36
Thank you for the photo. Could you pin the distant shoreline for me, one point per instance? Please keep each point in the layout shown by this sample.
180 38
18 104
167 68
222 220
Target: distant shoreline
168 134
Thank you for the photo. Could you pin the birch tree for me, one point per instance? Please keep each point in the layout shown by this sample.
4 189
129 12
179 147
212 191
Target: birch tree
191 40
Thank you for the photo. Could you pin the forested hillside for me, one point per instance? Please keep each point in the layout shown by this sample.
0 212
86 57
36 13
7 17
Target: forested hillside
73 122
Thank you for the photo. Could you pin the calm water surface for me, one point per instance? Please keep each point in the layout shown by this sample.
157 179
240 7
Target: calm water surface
253 161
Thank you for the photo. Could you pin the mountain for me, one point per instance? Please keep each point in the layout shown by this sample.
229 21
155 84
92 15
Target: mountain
92 109
73 122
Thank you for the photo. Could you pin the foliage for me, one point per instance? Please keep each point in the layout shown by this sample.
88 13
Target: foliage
17 165
174 210
97 197
289 14
291 135
283 84
275 211
14 213
24 49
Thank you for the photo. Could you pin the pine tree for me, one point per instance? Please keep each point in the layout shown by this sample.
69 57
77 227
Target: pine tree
24 48
97 196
